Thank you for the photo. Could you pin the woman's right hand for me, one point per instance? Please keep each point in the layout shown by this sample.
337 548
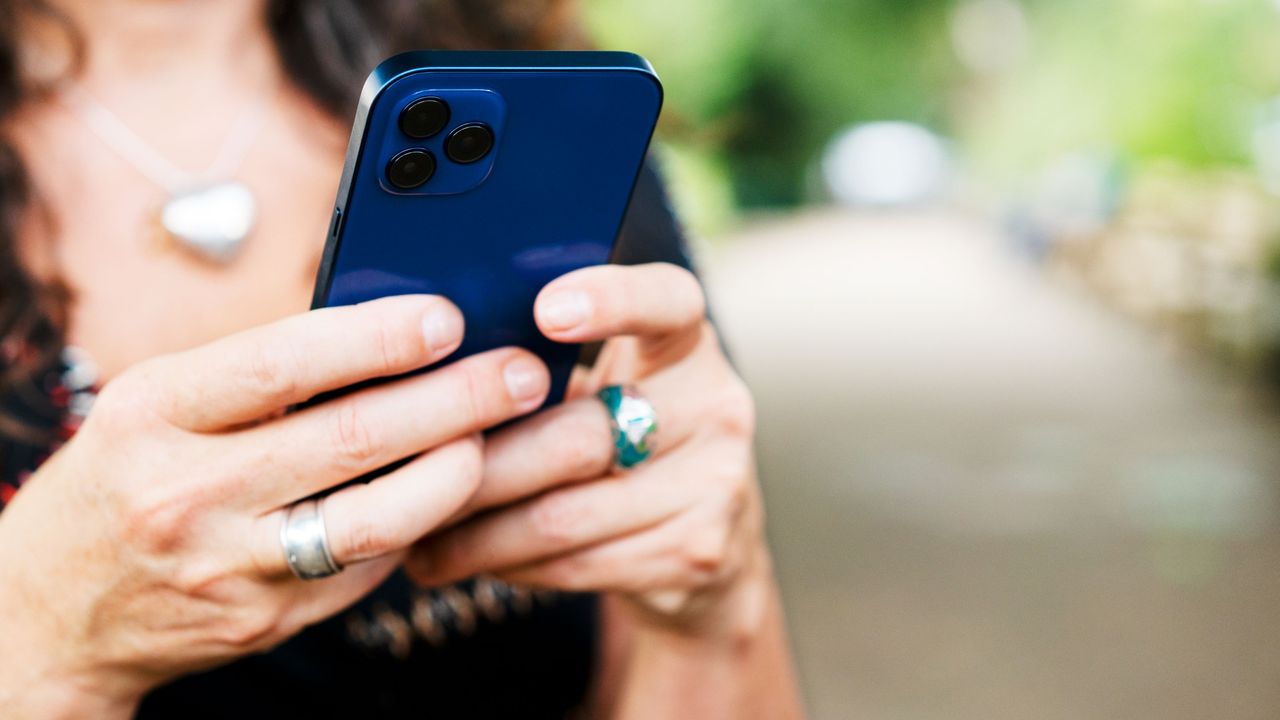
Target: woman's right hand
148 546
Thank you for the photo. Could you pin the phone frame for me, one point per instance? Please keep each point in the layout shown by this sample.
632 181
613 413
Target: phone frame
421 61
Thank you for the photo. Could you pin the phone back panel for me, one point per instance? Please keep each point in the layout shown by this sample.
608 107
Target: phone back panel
571 133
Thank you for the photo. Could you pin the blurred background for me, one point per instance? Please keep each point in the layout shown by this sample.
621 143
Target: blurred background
1005 277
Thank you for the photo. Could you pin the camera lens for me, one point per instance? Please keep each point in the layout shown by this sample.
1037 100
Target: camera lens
424 118
469 143
411 168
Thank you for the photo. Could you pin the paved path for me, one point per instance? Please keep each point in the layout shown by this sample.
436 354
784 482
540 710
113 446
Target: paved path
991 497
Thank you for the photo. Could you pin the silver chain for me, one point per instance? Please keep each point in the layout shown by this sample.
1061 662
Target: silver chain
122 140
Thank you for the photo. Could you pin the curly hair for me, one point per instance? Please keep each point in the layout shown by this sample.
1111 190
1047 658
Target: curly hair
327 47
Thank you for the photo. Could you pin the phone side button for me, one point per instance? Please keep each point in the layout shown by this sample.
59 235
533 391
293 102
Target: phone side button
336 225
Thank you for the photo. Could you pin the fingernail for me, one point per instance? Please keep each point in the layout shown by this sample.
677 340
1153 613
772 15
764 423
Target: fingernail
525 380
443 331
564 310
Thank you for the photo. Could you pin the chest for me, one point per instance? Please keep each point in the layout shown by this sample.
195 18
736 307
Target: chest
135 296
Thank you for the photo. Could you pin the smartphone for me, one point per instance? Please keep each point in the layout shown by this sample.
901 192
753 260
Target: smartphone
482 176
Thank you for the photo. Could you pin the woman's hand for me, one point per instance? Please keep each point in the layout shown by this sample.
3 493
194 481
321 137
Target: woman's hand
149 545
680 536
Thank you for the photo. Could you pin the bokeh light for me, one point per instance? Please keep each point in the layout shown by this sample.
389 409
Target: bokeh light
1004 276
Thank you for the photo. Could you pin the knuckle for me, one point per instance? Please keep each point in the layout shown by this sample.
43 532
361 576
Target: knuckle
159 522
584 445
126 402
363 538
200 578
691 287
739 497
470 462
463 465
680 284
252 628
707 556
473 399
732 487
271 372
557 519
736 410
618 297
352 440
395 350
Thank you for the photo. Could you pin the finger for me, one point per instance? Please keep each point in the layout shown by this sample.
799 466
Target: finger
254 373
652 301
322 446
660 566
317 600
397 509
692 549
556 522
566 444
390 513
574 441
674 567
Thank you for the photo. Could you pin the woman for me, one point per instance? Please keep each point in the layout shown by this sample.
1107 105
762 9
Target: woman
141 564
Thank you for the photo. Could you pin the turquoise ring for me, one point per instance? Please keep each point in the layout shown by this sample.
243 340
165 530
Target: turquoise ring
634 423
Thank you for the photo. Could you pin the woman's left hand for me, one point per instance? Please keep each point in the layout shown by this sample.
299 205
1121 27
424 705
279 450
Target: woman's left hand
680 536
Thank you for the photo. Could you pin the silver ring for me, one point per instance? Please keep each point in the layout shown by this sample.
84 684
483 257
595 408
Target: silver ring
305 543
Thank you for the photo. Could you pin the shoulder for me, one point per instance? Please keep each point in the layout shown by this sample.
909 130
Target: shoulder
651 232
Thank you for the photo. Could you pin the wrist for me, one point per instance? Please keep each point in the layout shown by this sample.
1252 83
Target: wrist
37 680
729 617
54 698
734 664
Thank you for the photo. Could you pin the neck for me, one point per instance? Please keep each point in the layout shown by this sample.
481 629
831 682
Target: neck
178 49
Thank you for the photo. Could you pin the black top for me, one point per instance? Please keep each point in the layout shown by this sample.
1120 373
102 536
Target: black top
478 649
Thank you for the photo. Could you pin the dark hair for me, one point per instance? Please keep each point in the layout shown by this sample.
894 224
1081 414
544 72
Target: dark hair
326 46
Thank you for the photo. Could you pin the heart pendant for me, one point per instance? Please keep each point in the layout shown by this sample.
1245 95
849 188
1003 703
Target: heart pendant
212 220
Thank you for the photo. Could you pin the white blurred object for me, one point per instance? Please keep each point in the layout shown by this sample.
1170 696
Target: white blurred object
886 164
1266 144
990 35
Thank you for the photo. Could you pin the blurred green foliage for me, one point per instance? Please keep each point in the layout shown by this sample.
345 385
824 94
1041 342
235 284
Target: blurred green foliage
756 88
1147 80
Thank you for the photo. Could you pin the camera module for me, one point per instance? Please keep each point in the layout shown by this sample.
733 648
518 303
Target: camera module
411 168
424 118
469 143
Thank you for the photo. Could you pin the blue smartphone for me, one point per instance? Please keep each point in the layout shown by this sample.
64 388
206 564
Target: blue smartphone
482 176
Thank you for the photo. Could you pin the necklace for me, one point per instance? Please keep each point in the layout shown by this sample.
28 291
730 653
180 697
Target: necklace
208 213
